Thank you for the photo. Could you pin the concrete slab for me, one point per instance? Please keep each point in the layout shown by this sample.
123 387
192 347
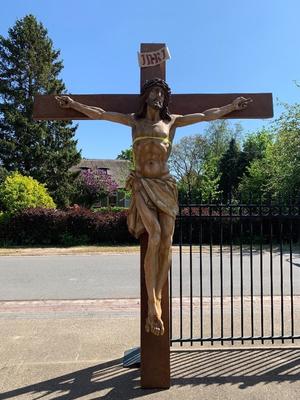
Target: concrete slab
69 356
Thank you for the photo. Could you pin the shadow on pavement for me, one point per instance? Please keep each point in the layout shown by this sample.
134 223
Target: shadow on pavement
109 380
242 367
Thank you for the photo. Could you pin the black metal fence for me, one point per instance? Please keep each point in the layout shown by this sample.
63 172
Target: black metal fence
236 275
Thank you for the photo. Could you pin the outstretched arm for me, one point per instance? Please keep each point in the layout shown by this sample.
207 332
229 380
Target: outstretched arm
240 103
94 112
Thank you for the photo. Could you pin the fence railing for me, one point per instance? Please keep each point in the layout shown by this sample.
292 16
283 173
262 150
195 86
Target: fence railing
236 275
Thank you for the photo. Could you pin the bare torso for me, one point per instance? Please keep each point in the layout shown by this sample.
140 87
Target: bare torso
152 143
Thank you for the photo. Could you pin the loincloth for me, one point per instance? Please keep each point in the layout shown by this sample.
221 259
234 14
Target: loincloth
159 194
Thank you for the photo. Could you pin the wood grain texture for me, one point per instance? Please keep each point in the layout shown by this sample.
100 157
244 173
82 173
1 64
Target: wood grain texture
46 108
155 350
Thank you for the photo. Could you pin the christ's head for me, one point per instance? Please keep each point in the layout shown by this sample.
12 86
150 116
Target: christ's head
155 98
156 94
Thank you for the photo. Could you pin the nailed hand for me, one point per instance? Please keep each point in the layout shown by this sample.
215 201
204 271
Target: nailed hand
240 103
64 101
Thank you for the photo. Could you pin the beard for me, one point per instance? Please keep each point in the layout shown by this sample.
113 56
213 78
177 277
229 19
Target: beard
155 104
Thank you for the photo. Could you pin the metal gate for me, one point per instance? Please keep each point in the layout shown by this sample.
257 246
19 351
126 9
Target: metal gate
235 275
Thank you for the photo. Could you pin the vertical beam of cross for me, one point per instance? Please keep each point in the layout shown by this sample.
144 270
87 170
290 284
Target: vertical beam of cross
155 350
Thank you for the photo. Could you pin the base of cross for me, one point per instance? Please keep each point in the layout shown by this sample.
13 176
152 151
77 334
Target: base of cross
155 350
132 358
153 357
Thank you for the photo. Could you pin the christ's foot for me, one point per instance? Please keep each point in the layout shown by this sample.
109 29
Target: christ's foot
154 323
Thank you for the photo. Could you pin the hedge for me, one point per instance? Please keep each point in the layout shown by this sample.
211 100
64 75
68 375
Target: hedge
79 226
40 226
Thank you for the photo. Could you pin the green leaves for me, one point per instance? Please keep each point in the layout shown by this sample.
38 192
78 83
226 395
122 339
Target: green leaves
277 171
19 192
44 150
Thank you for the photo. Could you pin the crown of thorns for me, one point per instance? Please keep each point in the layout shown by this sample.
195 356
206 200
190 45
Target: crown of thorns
156 82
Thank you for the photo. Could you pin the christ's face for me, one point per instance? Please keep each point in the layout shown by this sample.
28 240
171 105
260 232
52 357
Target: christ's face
156 98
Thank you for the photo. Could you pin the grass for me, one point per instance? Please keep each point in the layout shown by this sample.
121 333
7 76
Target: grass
73 250
86 250
41 251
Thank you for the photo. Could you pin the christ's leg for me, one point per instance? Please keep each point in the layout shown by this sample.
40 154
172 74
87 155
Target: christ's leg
149 218
167 225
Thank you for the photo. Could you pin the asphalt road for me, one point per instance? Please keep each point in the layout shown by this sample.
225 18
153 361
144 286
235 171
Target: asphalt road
117 276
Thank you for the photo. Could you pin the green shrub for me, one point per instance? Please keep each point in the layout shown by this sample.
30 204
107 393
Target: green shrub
19 192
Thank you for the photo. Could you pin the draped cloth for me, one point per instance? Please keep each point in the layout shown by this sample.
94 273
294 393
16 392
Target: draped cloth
159 195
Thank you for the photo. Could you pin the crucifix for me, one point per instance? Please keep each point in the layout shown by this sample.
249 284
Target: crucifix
154 196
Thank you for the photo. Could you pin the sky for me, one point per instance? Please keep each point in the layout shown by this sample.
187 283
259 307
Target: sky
220 46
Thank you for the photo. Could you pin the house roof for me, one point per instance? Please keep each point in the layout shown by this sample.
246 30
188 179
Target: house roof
118 169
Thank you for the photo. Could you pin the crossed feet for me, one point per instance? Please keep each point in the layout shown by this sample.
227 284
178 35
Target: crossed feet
154 323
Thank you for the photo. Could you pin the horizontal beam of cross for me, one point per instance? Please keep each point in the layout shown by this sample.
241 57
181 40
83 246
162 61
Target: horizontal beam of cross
46 108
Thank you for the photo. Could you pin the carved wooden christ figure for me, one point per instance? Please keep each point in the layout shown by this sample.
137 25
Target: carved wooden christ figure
154 194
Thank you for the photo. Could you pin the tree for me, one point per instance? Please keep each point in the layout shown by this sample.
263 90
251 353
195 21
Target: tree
231 167
256 150
44 150
255 182
210 180
186 163
19 192
93 186
3 174
256 144
284 160
277 172
219 133
195 160
126 154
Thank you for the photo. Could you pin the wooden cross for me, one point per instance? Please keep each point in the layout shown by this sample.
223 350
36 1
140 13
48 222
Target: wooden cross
155 350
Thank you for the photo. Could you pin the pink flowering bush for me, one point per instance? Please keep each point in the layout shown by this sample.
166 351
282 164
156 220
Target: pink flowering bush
93 186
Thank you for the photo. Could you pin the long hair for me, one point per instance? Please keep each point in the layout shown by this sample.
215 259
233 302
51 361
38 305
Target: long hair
164 112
